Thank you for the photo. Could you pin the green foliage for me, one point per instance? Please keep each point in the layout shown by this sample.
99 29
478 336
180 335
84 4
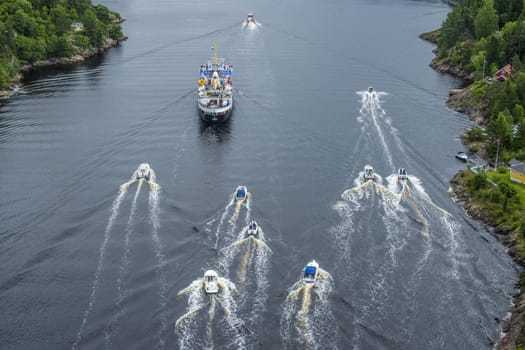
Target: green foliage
486 21
479 181
519 139
39 29
60 46
476 134
499 129
479 89
504 203
508 193
115 31
61 19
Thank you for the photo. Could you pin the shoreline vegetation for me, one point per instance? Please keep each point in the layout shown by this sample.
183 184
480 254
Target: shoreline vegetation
43 33
481 42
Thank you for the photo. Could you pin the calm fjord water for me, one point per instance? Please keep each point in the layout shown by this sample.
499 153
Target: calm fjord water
86 264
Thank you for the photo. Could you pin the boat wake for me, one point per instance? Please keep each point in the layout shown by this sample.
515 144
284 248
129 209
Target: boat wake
252 257
373 116
158 247
307 321
408 216
123 270
210 318
121 291
229 220
100 265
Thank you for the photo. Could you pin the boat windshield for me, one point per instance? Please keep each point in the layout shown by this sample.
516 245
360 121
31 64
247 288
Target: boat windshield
309 272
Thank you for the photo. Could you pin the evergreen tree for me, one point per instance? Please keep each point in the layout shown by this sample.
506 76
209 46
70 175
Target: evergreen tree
518 142
499 129
486 22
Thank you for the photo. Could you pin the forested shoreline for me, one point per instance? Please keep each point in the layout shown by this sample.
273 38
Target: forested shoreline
36 31
483 42
478 39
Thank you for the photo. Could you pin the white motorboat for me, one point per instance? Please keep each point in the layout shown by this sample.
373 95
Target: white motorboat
402 174
144 172
211 283
310 272
240 193
371 93
462 156
250 19
253 230
369 173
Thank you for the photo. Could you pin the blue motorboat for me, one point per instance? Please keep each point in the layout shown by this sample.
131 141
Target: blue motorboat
241 193
310 272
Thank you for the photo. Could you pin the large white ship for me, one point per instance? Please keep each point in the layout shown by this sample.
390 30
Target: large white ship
215 91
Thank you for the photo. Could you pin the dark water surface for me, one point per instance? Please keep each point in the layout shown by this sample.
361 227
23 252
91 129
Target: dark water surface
86 266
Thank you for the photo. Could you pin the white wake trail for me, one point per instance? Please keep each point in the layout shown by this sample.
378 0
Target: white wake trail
123 270
375 108
307 318
100 265
154 208
221 221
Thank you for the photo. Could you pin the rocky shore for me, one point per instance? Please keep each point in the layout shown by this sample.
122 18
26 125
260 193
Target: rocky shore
463 101
511 327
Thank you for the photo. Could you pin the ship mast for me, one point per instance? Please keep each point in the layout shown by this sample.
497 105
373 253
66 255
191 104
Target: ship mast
215 54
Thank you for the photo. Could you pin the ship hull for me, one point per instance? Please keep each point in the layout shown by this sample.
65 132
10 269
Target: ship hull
215 115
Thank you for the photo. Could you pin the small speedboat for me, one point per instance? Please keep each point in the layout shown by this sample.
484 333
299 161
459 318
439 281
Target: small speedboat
211 283
250 19
402 174
369 173
371 93
144 172
253 230
241 193
462 156
310 272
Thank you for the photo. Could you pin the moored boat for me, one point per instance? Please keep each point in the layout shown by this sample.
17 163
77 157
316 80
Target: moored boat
462 156
215 91
310 272
211 282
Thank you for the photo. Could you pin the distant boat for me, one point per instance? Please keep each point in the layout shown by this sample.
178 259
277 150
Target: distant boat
371 93
462 156
250 19
211 283
369 173
240 193
144 172
215 91
253 230
402 174
310 272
